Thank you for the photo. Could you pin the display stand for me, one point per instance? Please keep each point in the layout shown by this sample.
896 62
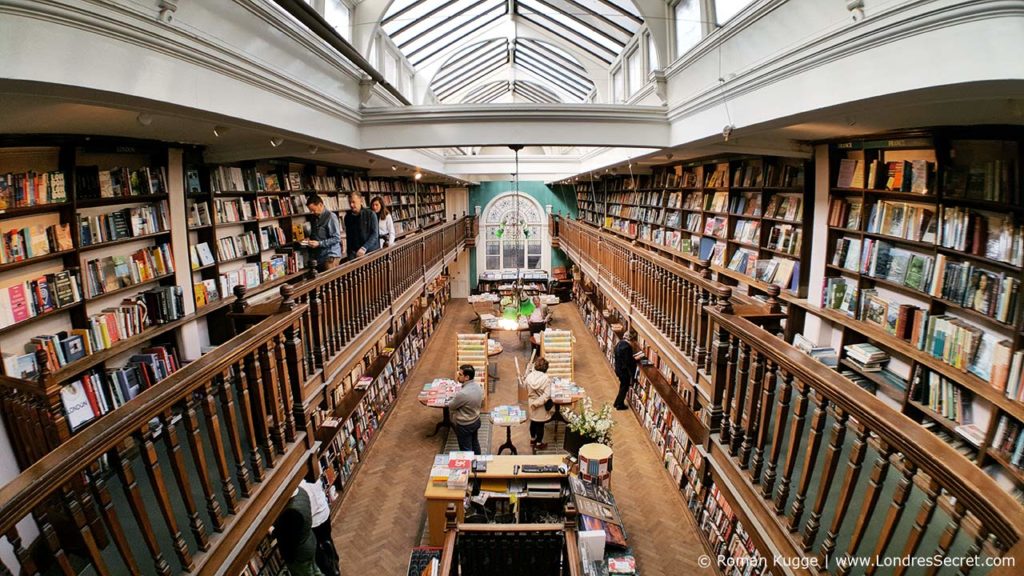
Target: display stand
556 348
472 349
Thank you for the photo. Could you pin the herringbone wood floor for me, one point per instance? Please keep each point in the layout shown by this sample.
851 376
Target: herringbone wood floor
382 516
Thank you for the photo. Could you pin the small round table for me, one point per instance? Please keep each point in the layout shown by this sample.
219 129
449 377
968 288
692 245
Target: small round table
438 393
507 417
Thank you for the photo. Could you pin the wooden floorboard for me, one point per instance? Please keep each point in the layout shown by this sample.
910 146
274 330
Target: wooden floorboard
382 517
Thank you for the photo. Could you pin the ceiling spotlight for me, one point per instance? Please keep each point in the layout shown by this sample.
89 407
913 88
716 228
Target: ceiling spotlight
394 168
313 149
219 131
276 141
144 119
417 176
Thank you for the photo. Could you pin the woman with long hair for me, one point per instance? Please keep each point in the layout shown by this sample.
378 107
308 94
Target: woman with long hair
385 223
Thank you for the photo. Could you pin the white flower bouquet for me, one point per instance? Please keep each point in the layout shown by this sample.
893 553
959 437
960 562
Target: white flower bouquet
595 425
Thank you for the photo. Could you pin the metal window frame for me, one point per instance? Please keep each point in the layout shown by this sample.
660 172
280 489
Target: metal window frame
446 27
475 76
463 65
587 49
555 73
573 90
585 23
474 30
576 72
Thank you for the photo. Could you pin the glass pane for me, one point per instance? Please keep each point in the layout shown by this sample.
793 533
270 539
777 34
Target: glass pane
688 25
533 261
634 71
652 55
493 263
493 247
513 255
338 16
617 86
726 9
534 247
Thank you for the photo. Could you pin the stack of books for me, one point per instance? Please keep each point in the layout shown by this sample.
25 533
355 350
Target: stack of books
825 354
866 357
508 415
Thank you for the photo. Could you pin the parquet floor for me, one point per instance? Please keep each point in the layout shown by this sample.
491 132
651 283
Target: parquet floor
381 519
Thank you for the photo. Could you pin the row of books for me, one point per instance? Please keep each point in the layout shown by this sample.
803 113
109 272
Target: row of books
717 177
717 202
97 393
941 395
115 272
643 214
732 548
1009 440
685 201
648 198
904 321
825 354
983 234
747 231
906 220
785 207
92 182
33 241
746 204
915 176
692 223
24 300
124 223
23 189
238 246
993 294
198 214
845 213
785 238
989 180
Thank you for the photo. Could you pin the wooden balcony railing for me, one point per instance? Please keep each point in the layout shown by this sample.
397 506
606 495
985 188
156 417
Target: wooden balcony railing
188 464
825 470
510 549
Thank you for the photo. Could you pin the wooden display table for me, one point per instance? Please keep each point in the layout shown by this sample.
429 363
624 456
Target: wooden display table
499 468
438 393
507 417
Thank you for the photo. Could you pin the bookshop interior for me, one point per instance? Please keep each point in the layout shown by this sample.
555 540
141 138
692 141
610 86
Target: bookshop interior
511 287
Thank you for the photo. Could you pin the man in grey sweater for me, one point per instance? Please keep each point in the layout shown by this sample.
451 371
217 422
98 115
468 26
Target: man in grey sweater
465 409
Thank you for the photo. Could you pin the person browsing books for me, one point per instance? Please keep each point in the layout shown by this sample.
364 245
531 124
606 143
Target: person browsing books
541 408
465 409
326 554
293 531
325 236
385 223
361 228
625 367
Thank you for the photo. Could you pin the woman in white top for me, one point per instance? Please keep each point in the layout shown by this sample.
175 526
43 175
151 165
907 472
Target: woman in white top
385 224
539 385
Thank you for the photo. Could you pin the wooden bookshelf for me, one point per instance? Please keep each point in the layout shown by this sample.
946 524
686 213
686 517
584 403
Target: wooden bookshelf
938 210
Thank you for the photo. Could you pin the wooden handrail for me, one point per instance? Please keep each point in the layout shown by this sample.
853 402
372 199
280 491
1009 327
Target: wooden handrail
968 483
27 490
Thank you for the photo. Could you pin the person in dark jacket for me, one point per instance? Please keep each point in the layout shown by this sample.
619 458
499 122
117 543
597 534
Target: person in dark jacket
325 235
293 530
625 367
361 228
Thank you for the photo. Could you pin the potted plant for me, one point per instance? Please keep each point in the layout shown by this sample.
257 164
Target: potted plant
588 425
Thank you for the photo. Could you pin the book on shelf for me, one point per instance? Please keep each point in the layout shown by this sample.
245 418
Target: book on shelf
1015 380
747 175
994 294
92 183
719 177
906 220
747 231
989 180
231 210
785 238
785 207
841 294
201 255
851 173
913 176
992 236
1008 440
941 395
743 261
29 242
825 354
24 189
198 214
716 226
717 202
782 272
125 223
114 272
248 275
22 301
746 204
847 253
845 213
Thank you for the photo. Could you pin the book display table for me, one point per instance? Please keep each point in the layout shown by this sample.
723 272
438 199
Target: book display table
438 393
507 417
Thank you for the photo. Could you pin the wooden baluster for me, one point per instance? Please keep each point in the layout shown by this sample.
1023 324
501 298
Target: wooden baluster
850 480
163 499
754 409
719 357
284 378
181 477
105 503
835 448
704 323
892 518
729 390
195 445
948 536
276 407
135 501
678 294
810 459
796 432
765 419
686 334
53 545
253 421
781 417
738 396
871 494
216 444
227 404
921 522
74 510
25 560
314 330
974 551
343 321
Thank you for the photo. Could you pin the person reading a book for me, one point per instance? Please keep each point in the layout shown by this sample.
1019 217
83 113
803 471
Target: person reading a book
385 223
362 232
325 236
465 409
542 408
625 367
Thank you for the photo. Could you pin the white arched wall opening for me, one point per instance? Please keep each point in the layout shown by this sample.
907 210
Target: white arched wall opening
490 218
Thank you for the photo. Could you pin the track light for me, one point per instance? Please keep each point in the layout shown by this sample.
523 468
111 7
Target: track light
394 168
219 131
313 149
417 175
276 141
144 119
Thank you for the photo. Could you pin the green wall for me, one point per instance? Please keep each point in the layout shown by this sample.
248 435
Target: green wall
561 198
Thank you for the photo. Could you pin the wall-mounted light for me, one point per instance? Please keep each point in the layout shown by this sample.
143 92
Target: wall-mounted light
144 119
856 8
417 176
394 168
219 131
276 141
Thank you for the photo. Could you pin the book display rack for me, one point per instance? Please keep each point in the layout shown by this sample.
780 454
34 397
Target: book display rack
924 267
556 347
346 426
472 349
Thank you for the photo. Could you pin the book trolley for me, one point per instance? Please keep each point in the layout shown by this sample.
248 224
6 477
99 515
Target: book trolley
472 349
556 347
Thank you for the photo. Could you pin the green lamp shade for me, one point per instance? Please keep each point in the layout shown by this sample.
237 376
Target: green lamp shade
509 313
527 307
